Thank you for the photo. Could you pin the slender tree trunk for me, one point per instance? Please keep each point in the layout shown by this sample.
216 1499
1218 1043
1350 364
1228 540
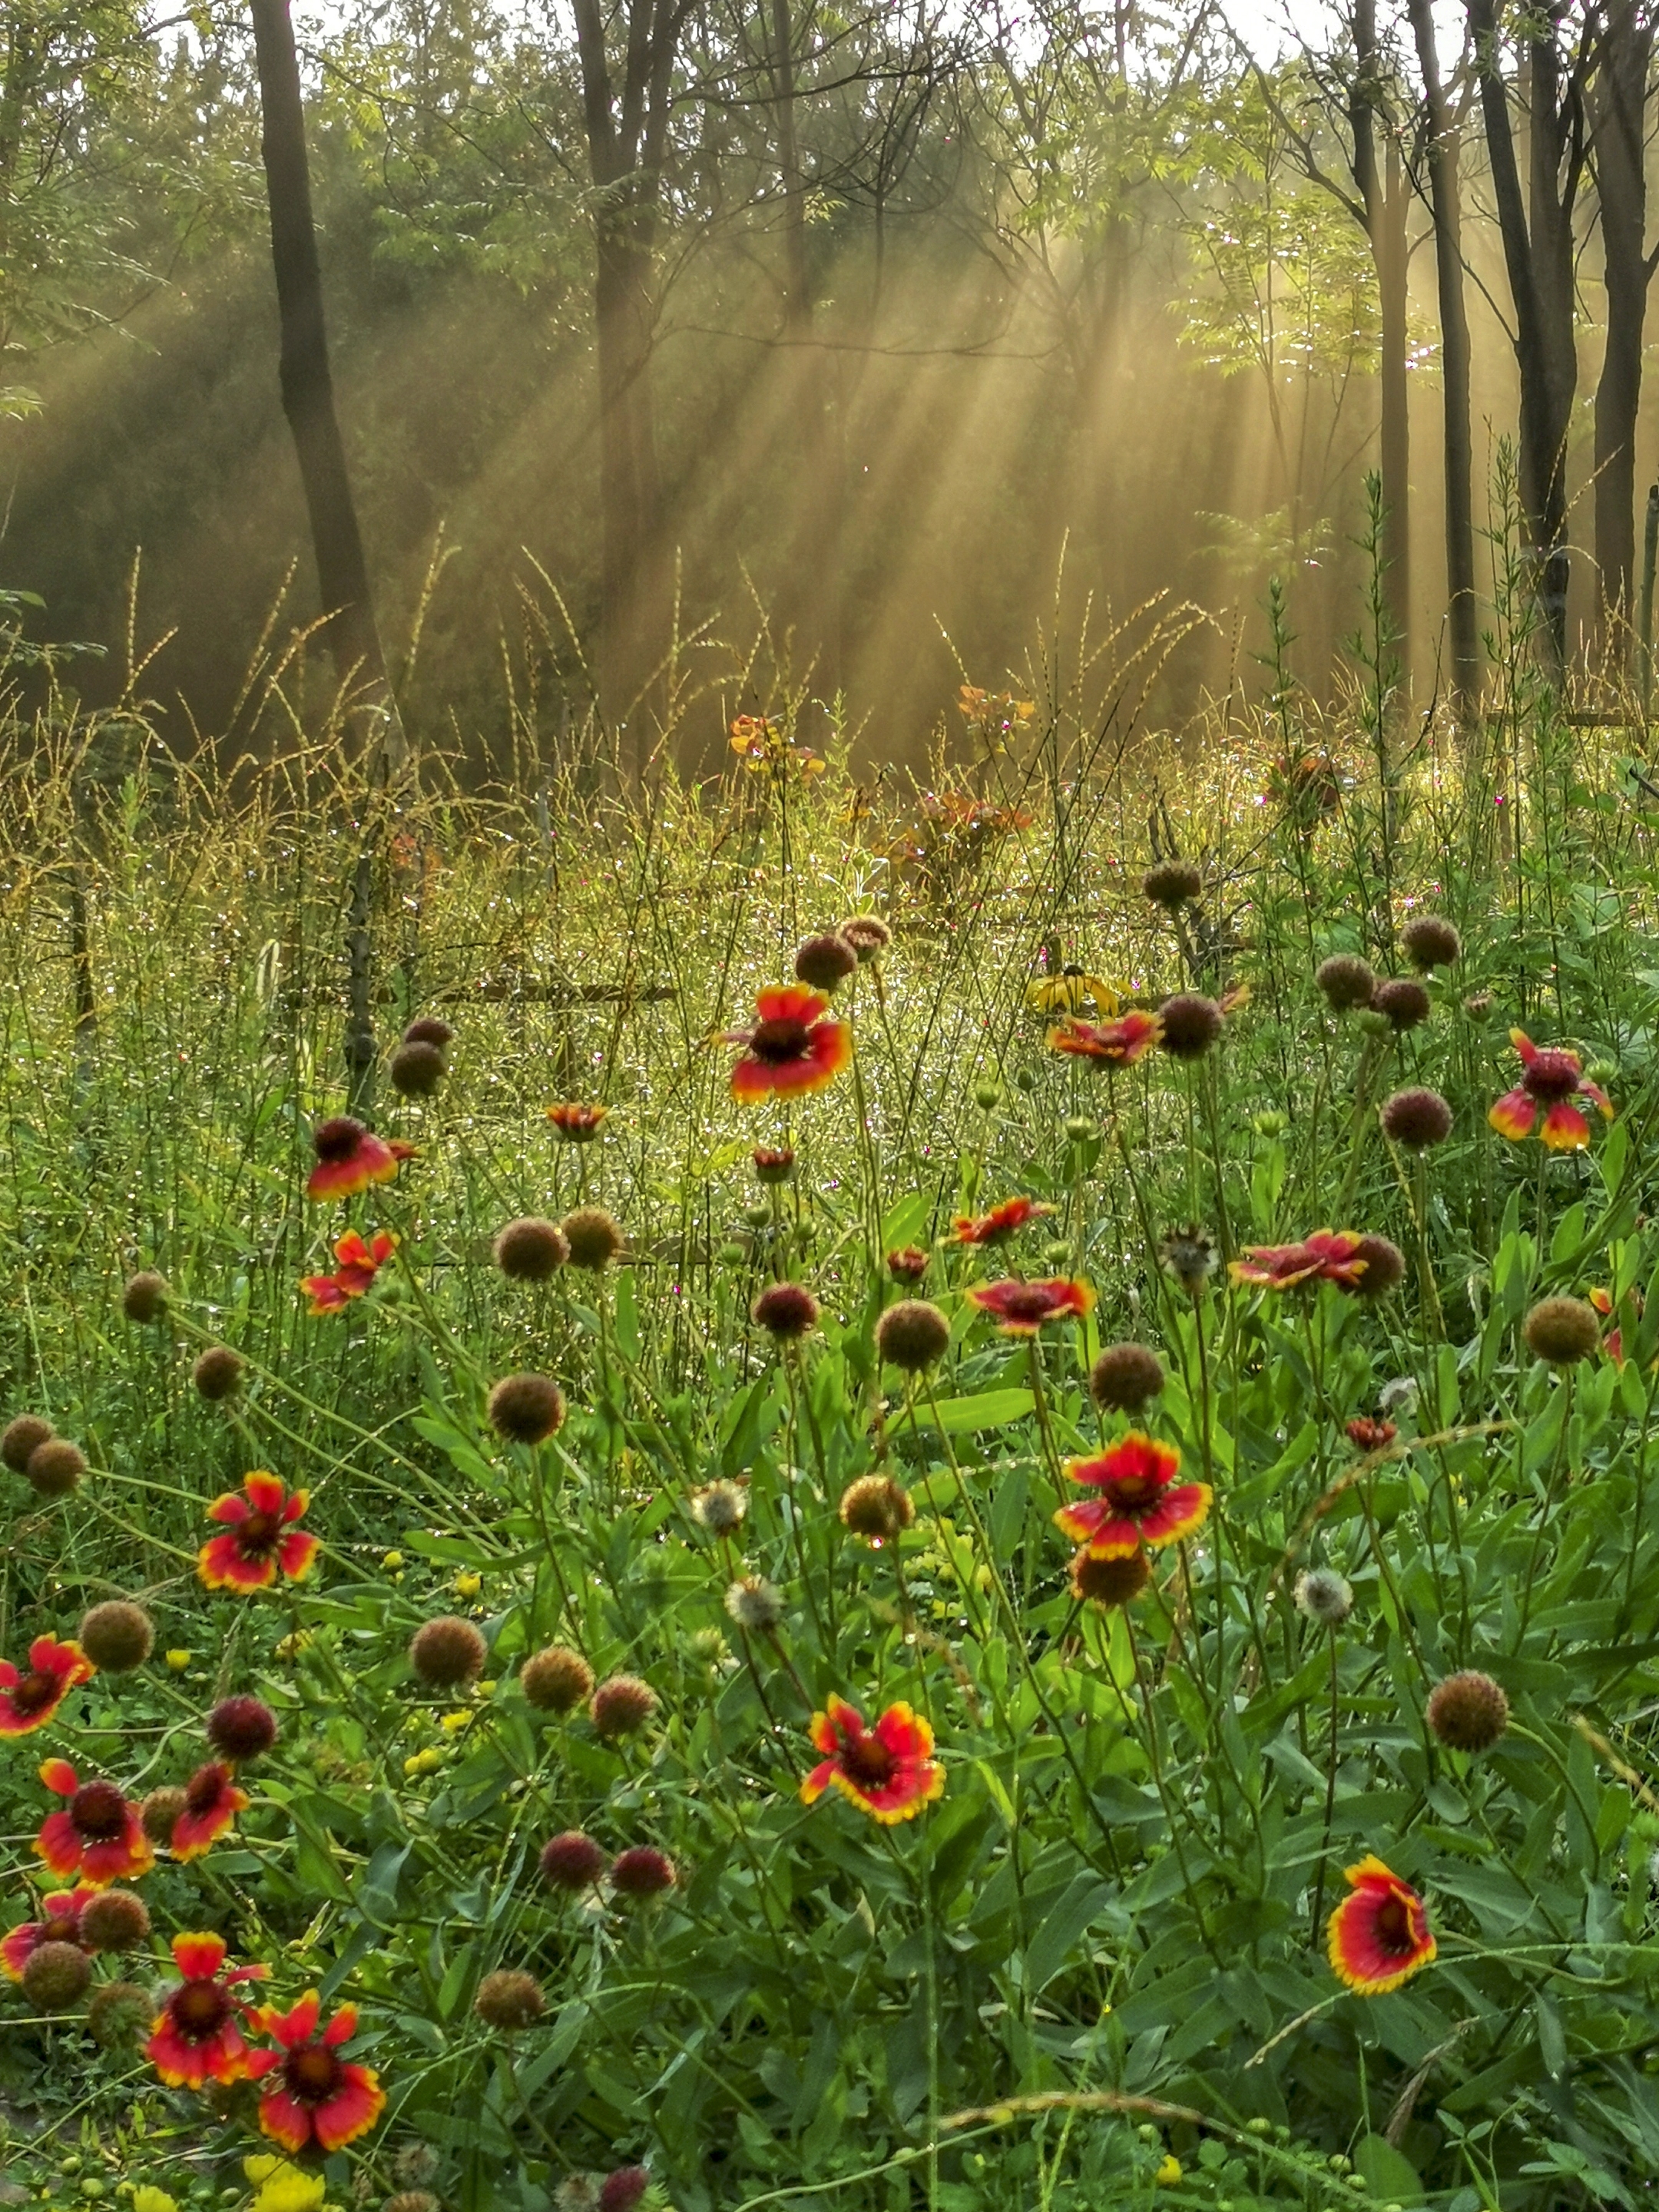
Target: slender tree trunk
1444 203
308 386
1385 199
1619 112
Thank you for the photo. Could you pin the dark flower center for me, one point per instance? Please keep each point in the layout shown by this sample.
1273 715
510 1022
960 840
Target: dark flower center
1134 1493
338 1139
1394 1926
34 1693
61 1930
868 1762
1551 1075
313 2074
202 1791
1025 1302
781 1039
99 1812
199 2010
257 1534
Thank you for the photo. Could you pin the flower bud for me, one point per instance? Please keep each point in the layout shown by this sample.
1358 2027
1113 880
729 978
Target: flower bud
988 1095
773 1162
622 2191
908 1264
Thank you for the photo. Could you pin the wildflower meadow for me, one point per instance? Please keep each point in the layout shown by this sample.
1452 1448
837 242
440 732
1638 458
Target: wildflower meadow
765 1490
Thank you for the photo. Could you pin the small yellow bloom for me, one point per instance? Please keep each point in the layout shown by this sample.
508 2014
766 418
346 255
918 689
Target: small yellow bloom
454 1722
392 1561
147 2199
486 1689
294 1643
178 1660
467 1585
1169 2172
282 2187
423 1762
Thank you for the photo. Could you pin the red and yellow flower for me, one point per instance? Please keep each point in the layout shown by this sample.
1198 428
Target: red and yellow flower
311 2093
62 1924
359 1264
1327 1256
888 1771
1551 1077
999 1224
212 1801
98 1836
1613 1340
28 1701
262 1541
1108 1044
792 1047
1140 1503
197 2036
350 1157
1020 1309
577 1124
1379 1936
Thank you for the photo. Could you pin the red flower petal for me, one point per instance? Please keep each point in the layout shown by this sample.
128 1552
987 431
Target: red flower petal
352 2110
1565 1128
1512 1115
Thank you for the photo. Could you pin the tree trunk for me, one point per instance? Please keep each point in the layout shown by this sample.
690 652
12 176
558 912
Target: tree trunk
307 387
1444 200
1385 199
1619 105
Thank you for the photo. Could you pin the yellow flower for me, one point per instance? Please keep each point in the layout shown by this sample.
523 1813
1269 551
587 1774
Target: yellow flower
1073 989
294 1643
147 2199
423 1762
178 1660
1169 2172
282 2187
392 1561
454 1722
467 1585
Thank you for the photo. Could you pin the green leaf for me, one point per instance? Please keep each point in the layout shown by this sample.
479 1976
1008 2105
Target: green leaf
991 1409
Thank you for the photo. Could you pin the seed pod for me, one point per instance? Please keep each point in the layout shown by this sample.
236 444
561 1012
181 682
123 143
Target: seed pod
145 1297
531 1250
117 1636
507 1999
1124 1377
526 1409
218 1373
556 1680
912 1335
1468 1711
1561 1331
448 1652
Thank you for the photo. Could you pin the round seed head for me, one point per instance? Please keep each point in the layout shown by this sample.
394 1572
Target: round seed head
145 1297
218 1373
1468 1711
556 1680
241 1727
1403 1000
1173 885
507 1999
55 1976
416 2166
531 1250
594 1236
1111 1581
23 1438
1561 1331
1430 942
416 1069
719 1506
1324 1597
755 1604
572 1860
1191 1025
1417 1119
868 934
526 1409
912 1335
787 1311
159 1813
412 2200
55 1467
1385 1268
428 1029
622 1704
115 1636
448 1652
642 1872
118 2013
1124 1377
622 2191
577 2192
876 1507
114 1920
825 961
1346 981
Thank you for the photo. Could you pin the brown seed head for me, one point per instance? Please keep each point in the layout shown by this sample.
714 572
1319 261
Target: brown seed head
1417 1119
1111 1581
1468 1711
22 1438
594 1236
719 1506
1403 1000
241 1727
1346 981
642 1872
1385 1268
556 1680
160 1811
526 1409
447 1652
55 1975
416 1069
115 1636
787 1311
1430 942
1173 885
145 1297
1125 1376
218 1373
55 1467
531 1250
912 1335
412 2200
114 1920
118 2013
1191 1025
876 1507
1562 1331
428 1029
509 1999
621 1704
825 961
868 934
572 1860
